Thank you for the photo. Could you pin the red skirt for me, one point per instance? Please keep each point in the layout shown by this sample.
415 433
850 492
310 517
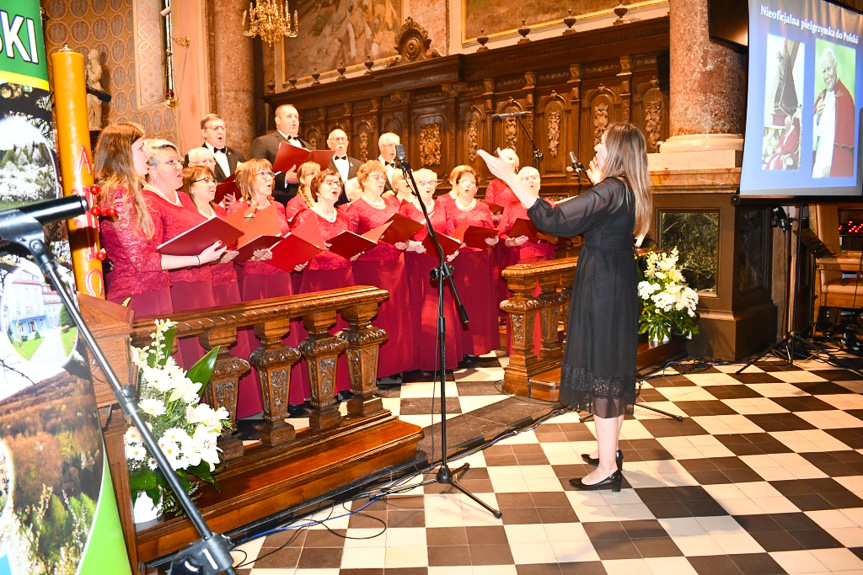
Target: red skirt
189 296
156 303
394 314
424 314
478 290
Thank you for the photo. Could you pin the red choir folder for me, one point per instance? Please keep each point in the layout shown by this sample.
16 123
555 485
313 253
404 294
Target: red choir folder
348 244
260 230
495 208
290 157
523 227
448 244
227 187
401 229
193 241
302 244
259 243
473 236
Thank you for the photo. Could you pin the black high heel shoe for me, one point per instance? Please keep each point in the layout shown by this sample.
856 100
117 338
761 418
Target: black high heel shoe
595 460
612 482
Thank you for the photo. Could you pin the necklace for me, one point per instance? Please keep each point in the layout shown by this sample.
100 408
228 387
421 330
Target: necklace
380 204
466 208
176 201
320 211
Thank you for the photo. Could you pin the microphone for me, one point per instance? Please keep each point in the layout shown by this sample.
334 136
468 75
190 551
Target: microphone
401 156
576 165
44 213
101 94
496 117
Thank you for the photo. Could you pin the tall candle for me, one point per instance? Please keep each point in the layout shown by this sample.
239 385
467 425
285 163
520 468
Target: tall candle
76 165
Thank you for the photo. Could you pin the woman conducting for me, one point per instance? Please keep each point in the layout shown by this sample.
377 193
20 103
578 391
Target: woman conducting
598 372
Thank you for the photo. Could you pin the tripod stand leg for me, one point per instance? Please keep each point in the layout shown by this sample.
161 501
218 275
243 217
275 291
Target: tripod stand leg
659 411
445 476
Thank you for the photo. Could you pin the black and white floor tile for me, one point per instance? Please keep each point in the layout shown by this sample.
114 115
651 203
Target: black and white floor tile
763 475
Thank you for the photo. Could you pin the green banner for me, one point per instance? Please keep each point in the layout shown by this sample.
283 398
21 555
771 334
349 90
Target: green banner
23 45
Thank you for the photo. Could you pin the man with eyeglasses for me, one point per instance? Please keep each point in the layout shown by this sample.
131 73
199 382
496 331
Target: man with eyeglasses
345 165
267 147
387 146
215 135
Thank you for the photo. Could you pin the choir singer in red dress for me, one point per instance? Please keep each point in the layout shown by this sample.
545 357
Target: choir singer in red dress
424 291
138 272
384 266
473 276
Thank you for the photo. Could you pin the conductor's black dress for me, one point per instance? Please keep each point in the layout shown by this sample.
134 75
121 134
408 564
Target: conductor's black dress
598 373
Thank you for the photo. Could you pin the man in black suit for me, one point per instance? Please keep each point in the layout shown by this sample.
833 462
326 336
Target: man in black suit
215 135
387 146
341 163
267 147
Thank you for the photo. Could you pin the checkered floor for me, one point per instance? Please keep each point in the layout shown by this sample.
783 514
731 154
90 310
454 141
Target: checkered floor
764 475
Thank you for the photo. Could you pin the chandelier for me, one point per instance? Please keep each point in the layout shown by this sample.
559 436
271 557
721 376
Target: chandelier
270 21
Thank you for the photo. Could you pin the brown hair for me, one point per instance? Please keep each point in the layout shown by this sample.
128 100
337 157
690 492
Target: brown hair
115 170
246 175
458 173
315 184
627 156
193 173
367 169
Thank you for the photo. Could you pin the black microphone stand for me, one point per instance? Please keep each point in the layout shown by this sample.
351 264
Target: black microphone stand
537 154
209 555
442 272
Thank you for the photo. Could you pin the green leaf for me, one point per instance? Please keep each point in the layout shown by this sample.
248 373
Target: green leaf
202 371
142 479
169 344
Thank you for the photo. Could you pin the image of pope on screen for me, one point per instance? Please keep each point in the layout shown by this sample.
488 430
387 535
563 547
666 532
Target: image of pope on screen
834 121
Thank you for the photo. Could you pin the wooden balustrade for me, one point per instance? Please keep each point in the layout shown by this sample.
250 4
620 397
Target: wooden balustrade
527 373
288 466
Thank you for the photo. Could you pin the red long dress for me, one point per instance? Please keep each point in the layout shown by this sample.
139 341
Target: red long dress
135 271
384 266
226 287
477 285
526 253
327 271
499 193
424 294
191 287
260 280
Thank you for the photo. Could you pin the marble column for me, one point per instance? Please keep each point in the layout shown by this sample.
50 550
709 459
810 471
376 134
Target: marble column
707 92
233 73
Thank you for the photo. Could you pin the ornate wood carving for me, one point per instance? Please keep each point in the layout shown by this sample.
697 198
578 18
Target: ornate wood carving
553 133
321 350
653 104
273 360
364 342
430 145
413 44
224 384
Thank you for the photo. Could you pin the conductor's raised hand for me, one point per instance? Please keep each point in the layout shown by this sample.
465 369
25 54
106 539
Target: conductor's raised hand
498 166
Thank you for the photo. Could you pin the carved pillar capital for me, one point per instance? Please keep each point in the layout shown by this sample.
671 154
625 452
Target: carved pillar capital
321 350
273 361
363 346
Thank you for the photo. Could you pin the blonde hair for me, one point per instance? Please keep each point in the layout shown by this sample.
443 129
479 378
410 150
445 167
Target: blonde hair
115 171
627 157
246 176
458 173
367 169
304 170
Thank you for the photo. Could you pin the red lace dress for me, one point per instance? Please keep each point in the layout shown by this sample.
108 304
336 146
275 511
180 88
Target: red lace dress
226 288
477 285
135 271
526 253
191 287
499 193
424 294
326 271
384 266
260 280
294 206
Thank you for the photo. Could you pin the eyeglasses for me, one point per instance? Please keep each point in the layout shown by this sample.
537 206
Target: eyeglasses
207 180
377 176
215 128
332 182
339 139
431 183
266 174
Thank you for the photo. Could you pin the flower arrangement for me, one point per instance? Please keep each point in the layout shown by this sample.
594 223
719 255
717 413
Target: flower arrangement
185 429
668 304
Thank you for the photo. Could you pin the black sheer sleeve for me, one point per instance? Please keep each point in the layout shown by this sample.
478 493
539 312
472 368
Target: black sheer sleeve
575 216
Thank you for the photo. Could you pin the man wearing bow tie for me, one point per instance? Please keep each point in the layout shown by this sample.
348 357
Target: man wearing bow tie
387 146
345 165
267 147
215 135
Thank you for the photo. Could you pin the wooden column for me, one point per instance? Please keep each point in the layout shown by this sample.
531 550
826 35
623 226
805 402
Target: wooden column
549 318
224 384
273 361
522 308
321 350
364 343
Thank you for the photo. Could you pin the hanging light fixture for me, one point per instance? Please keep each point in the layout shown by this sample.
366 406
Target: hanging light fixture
270 21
